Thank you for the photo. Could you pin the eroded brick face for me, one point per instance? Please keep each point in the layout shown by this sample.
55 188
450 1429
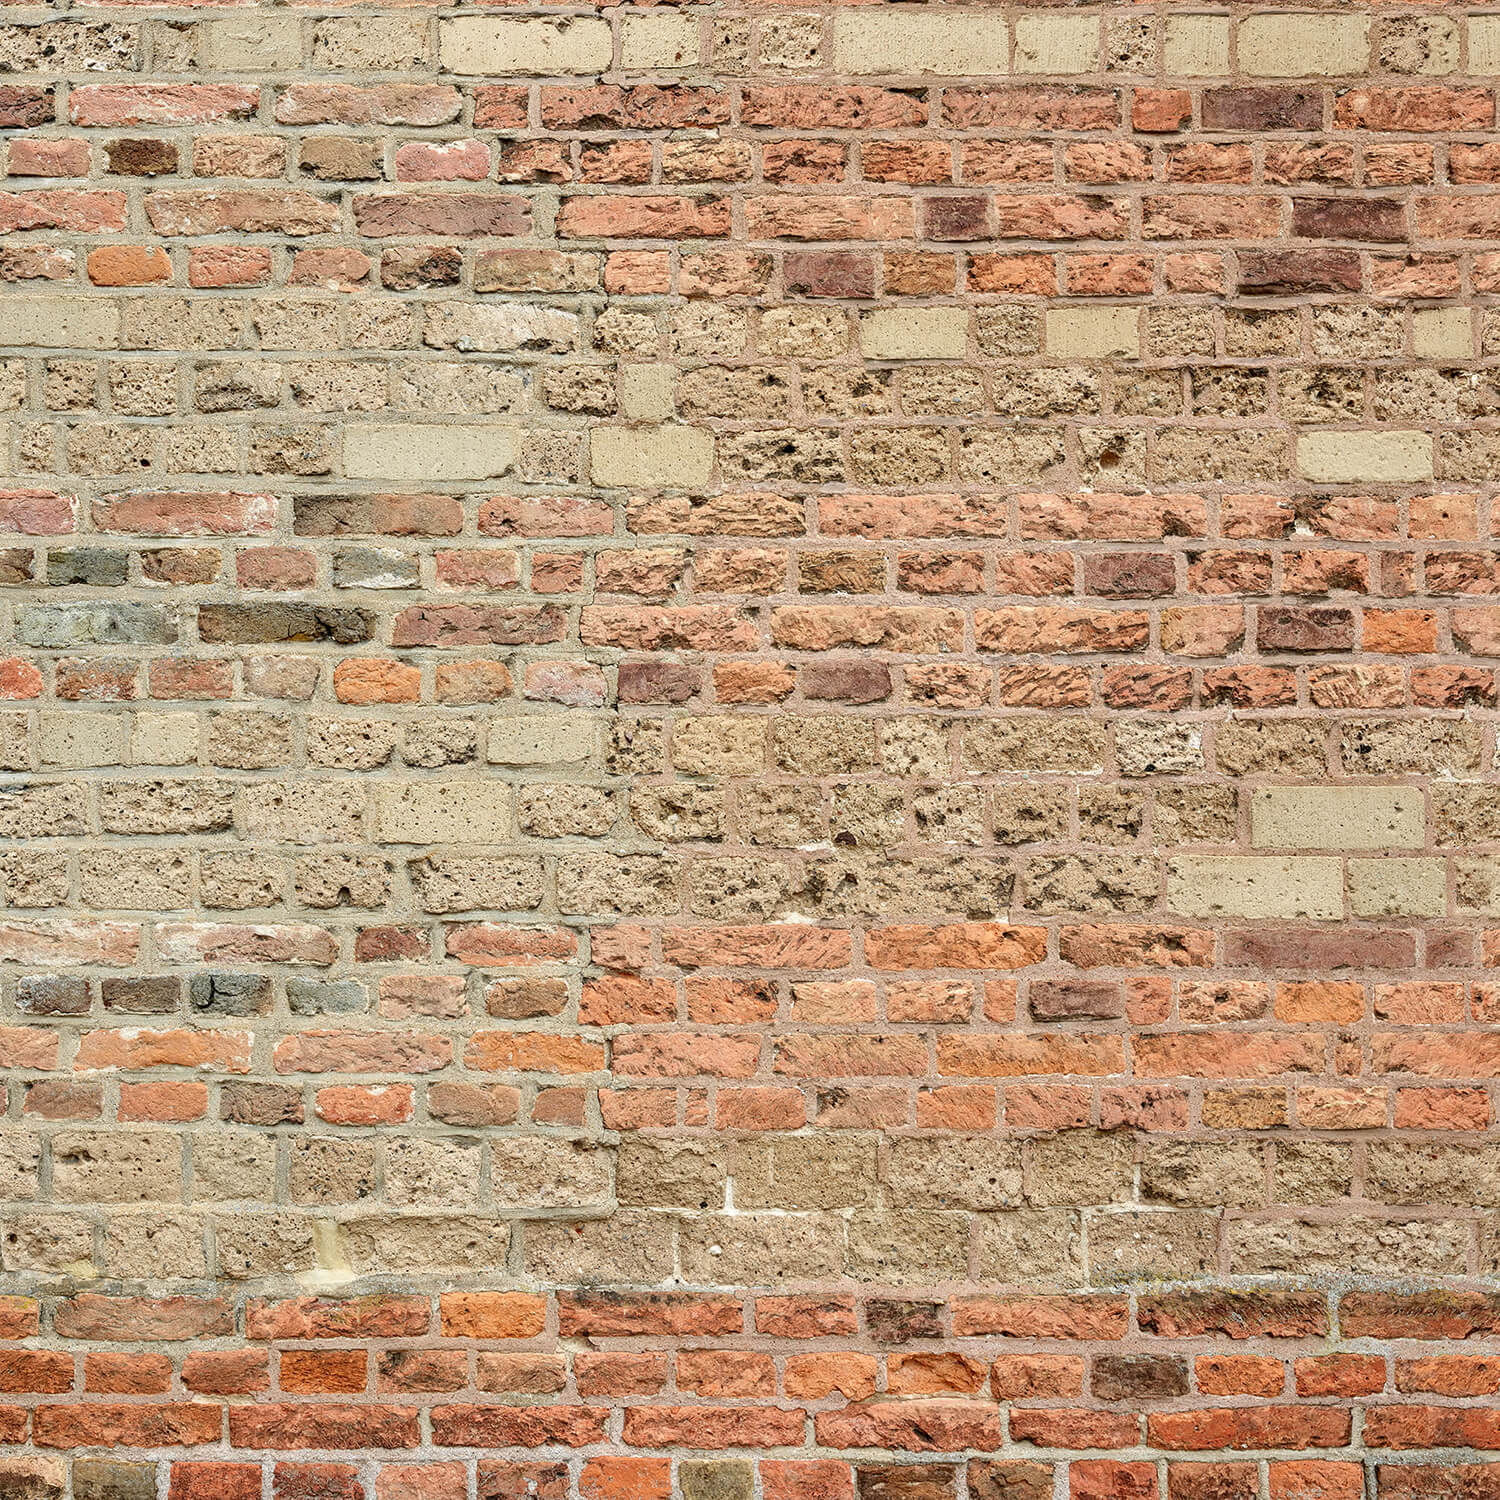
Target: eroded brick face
749 752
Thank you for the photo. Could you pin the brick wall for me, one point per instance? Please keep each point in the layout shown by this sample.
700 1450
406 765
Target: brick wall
750 752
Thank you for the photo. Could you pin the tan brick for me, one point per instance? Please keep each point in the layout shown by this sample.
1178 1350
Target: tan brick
666 457
1309 887
1445 333
1398 887
1365 457
1053 42
910 40
1484 45
252 43
1344 817
1196 46
662 40
1094 332
1281 44
445 811
914 333
496 45
75 321
426 451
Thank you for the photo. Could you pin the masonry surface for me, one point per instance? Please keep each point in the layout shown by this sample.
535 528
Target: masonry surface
749 752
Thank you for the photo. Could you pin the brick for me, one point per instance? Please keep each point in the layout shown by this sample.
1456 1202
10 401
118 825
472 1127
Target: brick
1301 45
916 43
500 45
1369 458
1337 818
427 452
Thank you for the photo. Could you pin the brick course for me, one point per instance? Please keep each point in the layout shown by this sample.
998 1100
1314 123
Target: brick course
749 752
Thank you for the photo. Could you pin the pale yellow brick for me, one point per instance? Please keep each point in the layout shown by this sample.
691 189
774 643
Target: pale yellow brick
1443 333
1337 817
73 322
252 44
445 811
666 457
914 333
1309 887
1057 43
1196 46
427 451
1278 44
1399 887
498 45
1364 457
1094 332
660 40
910 40
1484 45
646 392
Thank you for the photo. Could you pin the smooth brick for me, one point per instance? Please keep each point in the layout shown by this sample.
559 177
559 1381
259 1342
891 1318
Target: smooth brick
911 41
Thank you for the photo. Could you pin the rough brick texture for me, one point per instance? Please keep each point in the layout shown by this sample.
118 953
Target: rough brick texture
750 752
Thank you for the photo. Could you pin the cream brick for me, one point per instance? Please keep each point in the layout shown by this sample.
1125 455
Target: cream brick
1054 43
660 40
915 333
542 740
164 739
75 322
252 44
445 811
1196 47
1443 333
84 739
1337 817
1094 332
666 457
507 44
1398 887
1311 887
427 451
646 392
1484 45
910 40
1275 44
1364 457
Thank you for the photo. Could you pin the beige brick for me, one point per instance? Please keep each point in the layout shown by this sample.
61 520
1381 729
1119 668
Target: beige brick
252 44
74 322
1399 887
909 40
915 333
1484 45
1054 43
646 392
1276 44
164 739
1310 887
84 739
1337 817
1196 47
428 451
1364 457
660 40
445 811
1094 332
667 457
542 740
507 44
1443 333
